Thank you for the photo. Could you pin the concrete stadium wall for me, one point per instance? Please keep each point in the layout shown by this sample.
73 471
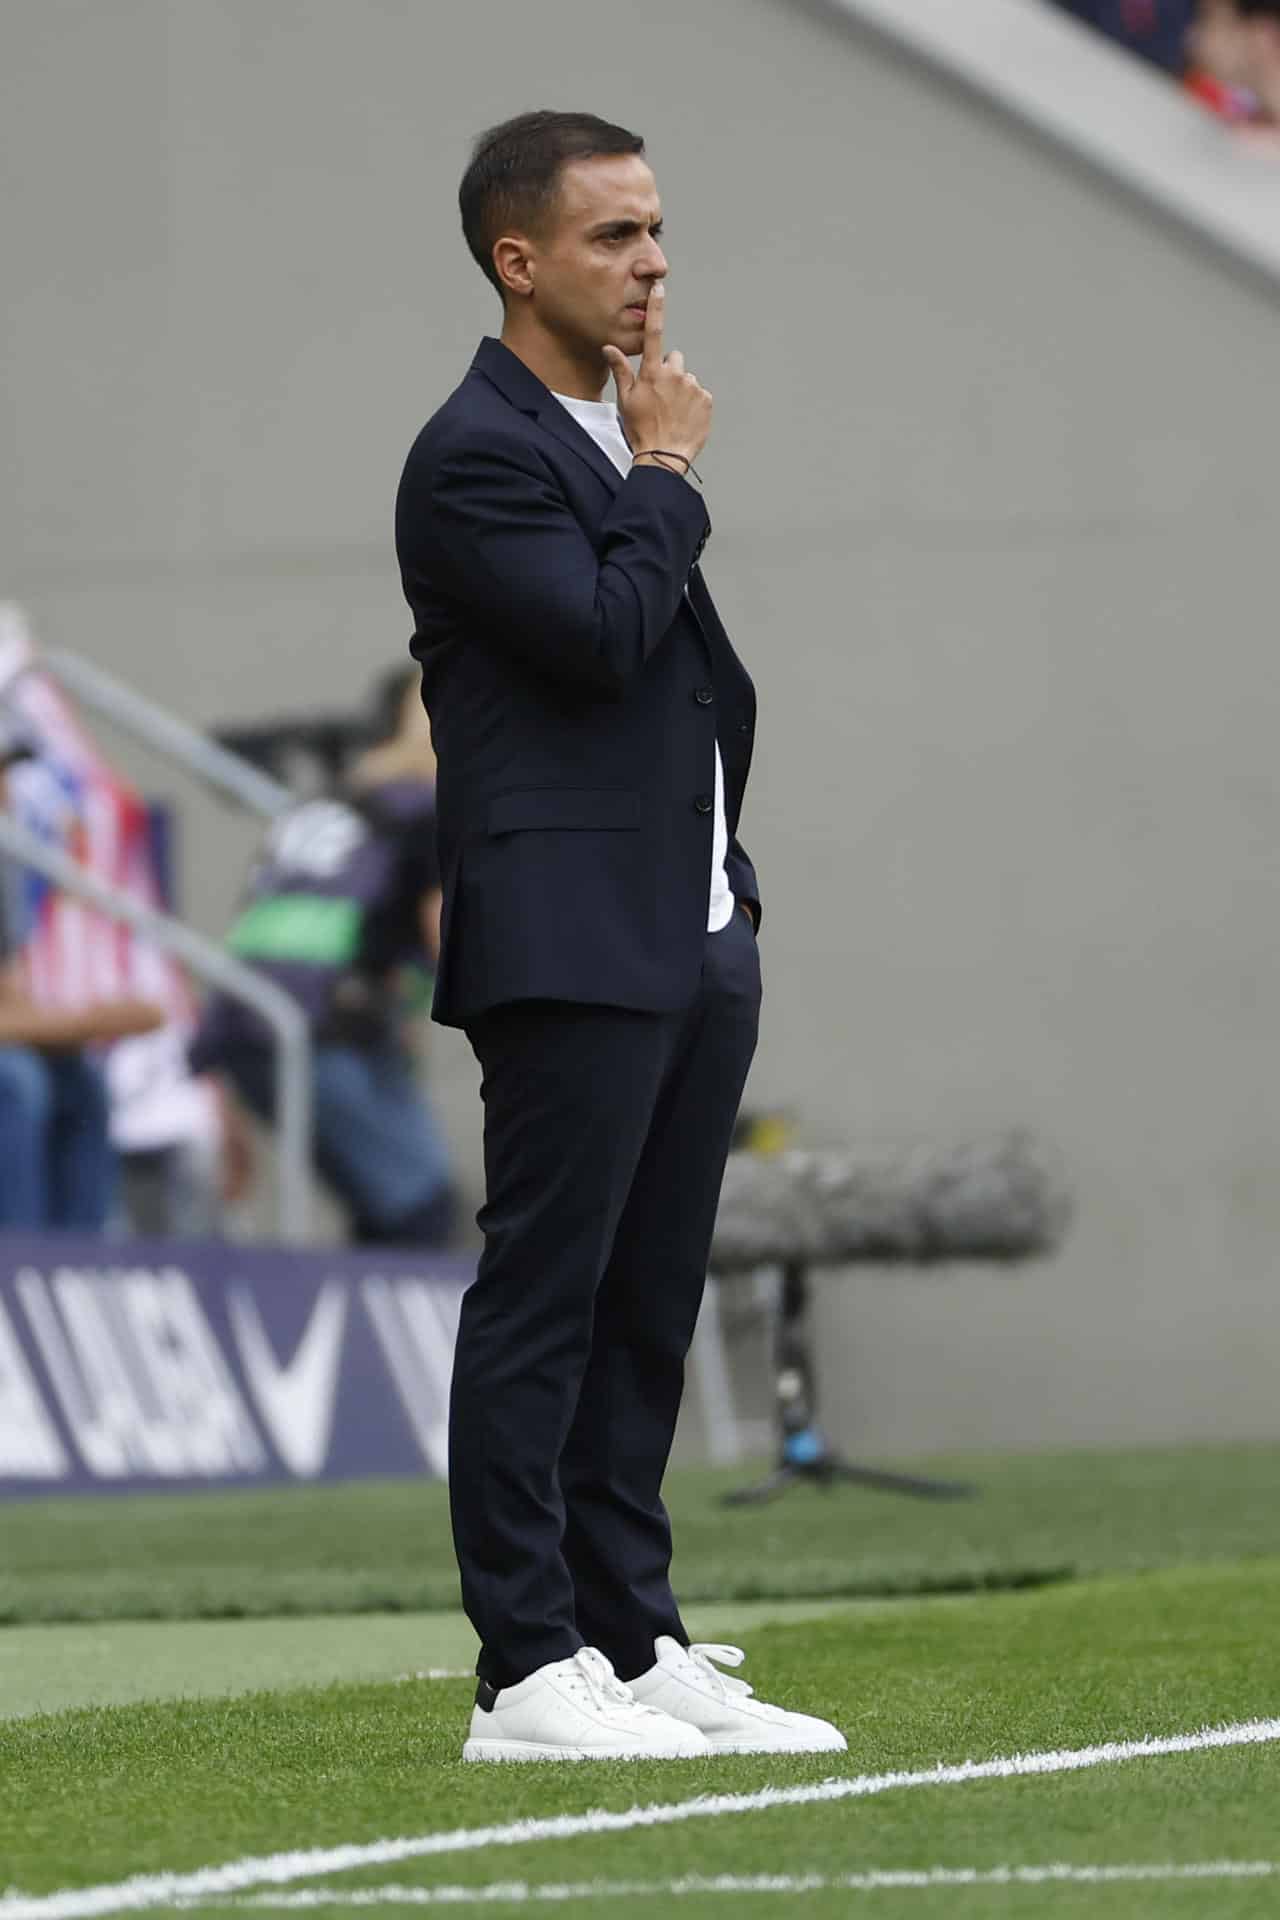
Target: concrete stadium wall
992 482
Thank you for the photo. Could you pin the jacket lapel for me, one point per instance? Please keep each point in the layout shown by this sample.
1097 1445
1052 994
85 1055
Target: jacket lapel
524 390
558 420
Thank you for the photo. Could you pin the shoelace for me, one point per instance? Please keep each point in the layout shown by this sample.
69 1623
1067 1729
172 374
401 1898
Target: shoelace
704 1652
601 1682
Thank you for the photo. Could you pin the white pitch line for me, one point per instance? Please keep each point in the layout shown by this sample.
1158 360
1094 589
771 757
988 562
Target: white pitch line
164 1889
520 1891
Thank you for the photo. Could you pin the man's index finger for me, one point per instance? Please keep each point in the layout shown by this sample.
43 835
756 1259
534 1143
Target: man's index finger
653 325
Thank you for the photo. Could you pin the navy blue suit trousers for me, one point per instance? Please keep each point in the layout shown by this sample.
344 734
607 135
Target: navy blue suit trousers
605 1136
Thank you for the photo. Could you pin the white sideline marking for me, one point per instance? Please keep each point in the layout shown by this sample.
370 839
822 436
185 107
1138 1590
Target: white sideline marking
873 1882
164 1889
518 1891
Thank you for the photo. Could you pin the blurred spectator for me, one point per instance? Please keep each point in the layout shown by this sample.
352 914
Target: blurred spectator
1260 33
1227 52
57 1165
166 1127
342 909
1155 29
1218 72
1234 65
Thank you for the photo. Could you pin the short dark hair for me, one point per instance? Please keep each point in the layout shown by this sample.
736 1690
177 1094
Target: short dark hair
515 173
1259 9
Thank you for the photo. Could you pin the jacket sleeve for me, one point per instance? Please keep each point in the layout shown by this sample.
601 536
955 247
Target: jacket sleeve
503 542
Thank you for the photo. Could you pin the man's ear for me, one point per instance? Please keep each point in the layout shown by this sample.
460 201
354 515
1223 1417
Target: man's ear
513 264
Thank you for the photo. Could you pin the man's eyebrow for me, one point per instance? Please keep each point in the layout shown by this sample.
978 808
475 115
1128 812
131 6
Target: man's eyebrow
624 227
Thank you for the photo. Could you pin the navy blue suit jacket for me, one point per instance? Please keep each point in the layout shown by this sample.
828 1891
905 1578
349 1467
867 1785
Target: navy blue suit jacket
576 693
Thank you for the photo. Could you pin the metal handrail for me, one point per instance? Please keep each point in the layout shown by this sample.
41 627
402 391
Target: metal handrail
220 969
228 773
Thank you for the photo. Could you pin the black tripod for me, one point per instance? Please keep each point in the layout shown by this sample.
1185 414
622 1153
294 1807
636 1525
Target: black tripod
804 1453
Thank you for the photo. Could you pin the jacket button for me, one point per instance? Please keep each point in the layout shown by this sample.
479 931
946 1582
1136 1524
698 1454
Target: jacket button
704 696
744 726
703 803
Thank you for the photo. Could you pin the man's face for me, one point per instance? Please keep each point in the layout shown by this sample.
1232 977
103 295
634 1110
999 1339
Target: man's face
593 267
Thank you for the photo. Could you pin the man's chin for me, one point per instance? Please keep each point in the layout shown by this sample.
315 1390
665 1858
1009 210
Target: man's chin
628 337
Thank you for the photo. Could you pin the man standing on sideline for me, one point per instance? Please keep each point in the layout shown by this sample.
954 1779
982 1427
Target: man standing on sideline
594 730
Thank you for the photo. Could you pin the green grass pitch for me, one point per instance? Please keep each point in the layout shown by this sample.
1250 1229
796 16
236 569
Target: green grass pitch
264 1653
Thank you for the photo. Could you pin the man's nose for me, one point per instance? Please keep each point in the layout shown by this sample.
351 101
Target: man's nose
655 266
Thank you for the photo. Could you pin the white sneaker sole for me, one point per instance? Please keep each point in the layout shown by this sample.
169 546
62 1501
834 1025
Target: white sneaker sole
766 1743
776 1740
518 1750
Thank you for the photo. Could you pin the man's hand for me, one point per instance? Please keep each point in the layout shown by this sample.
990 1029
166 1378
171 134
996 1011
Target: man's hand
662 406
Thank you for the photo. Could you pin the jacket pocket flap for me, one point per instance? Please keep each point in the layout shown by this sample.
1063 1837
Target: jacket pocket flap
611 808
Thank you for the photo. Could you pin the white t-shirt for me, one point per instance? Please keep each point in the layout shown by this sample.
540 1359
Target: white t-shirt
600 418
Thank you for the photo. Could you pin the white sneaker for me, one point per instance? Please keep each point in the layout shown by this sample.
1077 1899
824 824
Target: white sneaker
576 1709
685 1684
